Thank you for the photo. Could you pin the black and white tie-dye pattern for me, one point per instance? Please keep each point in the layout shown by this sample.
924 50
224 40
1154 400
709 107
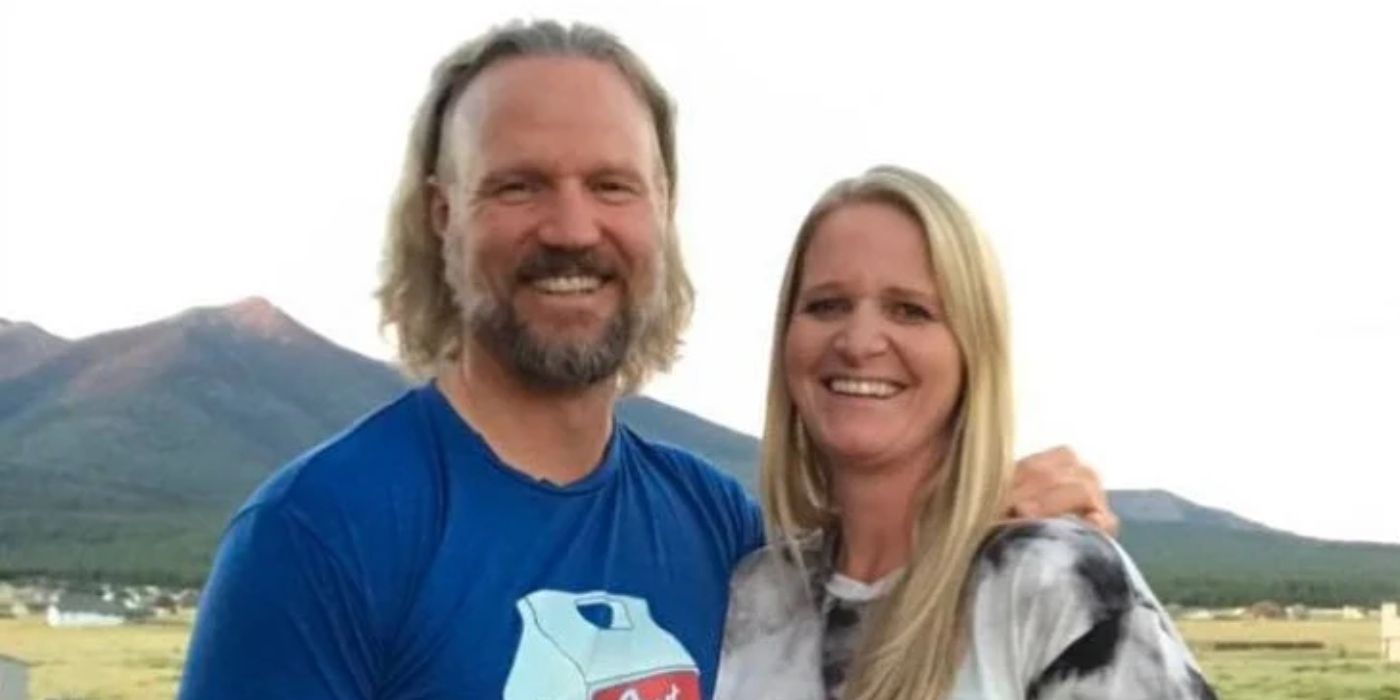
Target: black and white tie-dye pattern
845 602
1059 612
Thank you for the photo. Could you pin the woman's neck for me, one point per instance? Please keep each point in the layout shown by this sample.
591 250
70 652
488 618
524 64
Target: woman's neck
878 508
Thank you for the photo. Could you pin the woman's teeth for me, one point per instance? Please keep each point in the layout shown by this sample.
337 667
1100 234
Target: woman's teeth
875 388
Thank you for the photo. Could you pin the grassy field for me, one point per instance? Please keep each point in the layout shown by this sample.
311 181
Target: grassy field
1348 667
136 662
142 662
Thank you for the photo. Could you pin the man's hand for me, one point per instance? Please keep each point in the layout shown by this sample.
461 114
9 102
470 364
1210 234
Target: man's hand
1055 482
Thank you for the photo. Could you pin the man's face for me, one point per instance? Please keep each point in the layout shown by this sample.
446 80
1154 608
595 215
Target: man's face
551 217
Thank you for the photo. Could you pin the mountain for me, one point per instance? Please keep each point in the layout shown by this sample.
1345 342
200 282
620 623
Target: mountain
122 456
23 346
1163 507
184 410
125 452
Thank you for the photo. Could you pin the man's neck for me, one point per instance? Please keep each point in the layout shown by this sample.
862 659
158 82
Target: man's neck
558 437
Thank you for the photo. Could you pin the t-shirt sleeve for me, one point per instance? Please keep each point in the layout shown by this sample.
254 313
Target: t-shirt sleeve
738 520
279 618
1061 612
751 535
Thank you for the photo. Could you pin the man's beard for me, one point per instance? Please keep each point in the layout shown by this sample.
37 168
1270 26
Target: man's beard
550 364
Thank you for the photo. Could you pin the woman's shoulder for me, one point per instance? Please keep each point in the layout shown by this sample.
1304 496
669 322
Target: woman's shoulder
1058 606
1053 581
773 630
1041 536
787 566
1062 557
776 584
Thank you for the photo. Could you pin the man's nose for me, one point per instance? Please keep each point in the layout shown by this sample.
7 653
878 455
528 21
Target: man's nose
572 218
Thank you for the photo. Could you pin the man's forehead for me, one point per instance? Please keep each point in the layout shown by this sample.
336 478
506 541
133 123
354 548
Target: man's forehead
566 94
520 76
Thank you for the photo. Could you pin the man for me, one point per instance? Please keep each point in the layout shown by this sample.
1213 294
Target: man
493 533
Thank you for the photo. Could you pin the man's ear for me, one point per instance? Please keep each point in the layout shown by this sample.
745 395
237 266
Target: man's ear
439 205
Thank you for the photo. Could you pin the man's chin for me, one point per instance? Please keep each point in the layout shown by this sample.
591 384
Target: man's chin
568 366
568 351
570 341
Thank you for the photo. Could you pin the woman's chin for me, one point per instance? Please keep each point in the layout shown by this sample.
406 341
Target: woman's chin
855 453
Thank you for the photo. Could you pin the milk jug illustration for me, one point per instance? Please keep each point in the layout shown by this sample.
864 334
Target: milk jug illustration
596 646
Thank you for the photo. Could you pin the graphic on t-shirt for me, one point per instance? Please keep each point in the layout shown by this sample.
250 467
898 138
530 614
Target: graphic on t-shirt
596 646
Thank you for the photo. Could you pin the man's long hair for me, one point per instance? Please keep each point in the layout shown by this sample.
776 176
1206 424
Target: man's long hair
415 299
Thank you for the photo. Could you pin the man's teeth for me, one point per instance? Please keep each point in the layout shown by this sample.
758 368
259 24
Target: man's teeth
863 387
573 284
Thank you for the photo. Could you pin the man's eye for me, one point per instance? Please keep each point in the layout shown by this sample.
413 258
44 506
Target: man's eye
513 190
615 190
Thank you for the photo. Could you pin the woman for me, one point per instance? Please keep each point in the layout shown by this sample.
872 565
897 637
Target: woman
887 455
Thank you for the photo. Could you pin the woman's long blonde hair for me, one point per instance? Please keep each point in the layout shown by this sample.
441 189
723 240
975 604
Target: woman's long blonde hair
917 638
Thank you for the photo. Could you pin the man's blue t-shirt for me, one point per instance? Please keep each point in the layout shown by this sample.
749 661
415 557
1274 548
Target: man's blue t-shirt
403 559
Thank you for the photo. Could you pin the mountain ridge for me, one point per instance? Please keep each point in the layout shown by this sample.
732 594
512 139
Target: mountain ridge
122 454
1162 506
23 345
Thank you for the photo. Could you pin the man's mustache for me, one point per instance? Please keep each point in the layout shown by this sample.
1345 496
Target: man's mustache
563 262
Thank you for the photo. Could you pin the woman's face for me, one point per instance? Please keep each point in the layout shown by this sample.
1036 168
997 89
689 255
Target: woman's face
872 368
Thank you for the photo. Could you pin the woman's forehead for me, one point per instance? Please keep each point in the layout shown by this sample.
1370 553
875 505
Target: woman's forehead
872 242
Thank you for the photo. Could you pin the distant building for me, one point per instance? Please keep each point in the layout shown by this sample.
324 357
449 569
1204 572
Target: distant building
8 601
85 610
164 605
1390 633
1265 610
14 678
1347 613
34 598
1231 614
187 599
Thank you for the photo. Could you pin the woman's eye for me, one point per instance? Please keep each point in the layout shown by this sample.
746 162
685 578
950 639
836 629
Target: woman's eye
823 307
909 311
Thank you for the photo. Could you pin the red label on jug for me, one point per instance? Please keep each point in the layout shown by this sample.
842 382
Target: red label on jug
678 685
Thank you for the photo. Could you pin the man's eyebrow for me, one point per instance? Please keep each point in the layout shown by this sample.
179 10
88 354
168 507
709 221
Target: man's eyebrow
535 171
511 172
619 171
617 168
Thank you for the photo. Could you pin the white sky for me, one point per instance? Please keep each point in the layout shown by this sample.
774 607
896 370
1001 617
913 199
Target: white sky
1195 202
